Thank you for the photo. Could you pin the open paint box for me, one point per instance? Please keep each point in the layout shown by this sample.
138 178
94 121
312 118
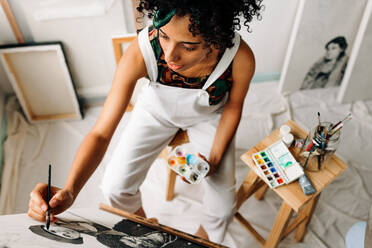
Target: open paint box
276 165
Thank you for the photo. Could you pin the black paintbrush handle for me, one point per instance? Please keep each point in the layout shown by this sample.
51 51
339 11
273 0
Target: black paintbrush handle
48 198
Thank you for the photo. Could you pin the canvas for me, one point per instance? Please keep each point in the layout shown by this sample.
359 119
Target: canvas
357 81
323 35
88 227
41 79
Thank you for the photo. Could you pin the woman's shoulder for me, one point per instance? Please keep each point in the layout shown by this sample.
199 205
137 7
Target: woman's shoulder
244 60
244 53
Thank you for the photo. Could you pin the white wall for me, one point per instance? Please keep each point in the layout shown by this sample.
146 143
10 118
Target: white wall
270 36
87 44
89 50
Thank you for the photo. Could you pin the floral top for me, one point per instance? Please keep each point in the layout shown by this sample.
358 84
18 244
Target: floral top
166 76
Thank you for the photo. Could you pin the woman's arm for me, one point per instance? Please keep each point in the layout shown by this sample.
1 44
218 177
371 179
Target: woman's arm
242 72
309 80
337 74
91 151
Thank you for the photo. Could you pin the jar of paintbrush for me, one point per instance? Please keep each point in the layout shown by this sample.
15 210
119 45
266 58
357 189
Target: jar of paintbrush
321 143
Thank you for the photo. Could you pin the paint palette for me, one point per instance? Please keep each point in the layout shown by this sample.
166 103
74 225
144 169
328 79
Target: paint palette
276 165
188 165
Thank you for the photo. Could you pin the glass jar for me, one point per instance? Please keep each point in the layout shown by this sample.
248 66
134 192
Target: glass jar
320 145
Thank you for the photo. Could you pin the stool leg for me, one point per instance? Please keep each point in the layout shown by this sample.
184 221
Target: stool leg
248 187
279 226
171 182
261 192
307 210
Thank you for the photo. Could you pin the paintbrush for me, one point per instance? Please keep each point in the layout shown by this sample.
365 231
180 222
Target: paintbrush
48 199
347 118
338 126
319 122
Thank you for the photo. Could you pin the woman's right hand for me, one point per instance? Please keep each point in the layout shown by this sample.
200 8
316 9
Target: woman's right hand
61 199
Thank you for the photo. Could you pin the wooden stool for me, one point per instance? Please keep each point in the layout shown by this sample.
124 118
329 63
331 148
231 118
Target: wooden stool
292 195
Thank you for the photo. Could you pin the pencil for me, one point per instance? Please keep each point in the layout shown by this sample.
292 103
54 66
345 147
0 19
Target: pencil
48 199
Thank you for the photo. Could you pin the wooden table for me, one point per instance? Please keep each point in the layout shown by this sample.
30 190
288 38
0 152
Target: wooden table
292 195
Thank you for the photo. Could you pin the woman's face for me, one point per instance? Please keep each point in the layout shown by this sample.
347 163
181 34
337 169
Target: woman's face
333 50
182 50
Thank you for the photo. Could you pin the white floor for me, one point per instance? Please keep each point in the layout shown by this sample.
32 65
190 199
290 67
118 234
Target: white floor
344 202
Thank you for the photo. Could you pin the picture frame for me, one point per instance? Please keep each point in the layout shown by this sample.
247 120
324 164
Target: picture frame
356 84
41 79
120 43
319 26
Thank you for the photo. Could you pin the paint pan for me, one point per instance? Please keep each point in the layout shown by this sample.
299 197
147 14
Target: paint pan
276 165
179 152
56 233
188 165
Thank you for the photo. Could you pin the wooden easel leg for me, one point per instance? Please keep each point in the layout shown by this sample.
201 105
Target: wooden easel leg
261 192
307 210
171 182
279 226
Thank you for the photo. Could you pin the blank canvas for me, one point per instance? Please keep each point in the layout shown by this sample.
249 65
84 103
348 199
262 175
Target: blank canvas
41 80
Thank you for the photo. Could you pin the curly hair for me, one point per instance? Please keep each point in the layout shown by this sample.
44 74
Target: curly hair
214 20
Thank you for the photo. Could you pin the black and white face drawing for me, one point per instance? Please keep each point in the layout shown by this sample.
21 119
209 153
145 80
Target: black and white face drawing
329 70
130 234
64 232
57 233
151 240
126 234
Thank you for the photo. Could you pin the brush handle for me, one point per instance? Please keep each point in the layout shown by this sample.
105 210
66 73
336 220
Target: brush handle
48 198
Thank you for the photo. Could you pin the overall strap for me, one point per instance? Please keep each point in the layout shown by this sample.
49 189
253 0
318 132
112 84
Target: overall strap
148 54
224 62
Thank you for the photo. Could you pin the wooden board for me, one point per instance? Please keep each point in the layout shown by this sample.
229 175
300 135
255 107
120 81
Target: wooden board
41 80
292 193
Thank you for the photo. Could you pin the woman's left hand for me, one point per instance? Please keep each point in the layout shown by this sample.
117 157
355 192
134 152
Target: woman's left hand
212 167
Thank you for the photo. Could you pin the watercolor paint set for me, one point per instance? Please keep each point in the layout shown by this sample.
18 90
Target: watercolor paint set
276 165
188 165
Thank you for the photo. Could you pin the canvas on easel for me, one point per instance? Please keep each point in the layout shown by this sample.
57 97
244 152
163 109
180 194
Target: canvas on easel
41 79
356 84
322 37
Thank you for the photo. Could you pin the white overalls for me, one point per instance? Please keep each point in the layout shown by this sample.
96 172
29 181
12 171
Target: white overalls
158 113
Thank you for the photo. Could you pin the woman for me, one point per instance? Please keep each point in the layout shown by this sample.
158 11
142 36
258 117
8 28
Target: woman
329 70
200 72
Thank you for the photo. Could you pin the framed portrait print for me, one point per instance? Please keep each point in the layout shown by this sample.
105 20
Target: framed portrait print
357 82
322 37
